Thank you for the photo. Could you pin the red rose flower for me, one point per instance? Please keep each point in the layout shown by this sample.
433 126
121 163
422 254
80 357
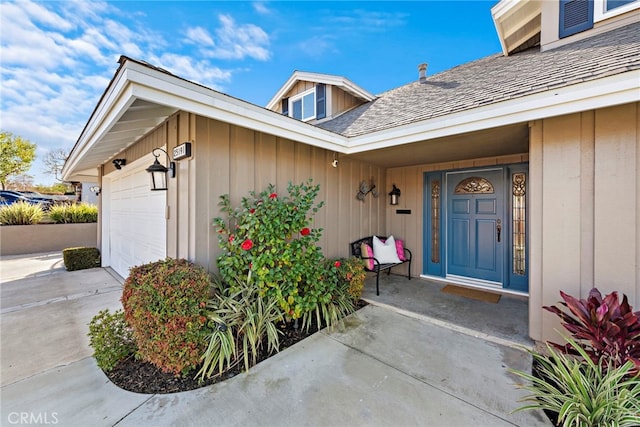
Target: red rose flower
305 231
247 244
231 237
251 210
273 195
337 264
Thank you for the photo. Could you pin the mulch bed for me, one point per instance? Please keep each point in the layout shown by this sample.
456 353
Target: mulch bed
143 377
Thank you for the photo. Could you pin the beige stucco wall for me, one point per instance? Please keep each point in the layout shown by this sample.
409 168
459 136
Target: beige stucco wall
585 216
36 238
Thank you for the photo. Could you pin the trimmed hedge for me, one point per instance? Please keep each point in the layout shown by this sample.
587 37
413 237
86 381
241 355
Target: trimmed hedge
81 258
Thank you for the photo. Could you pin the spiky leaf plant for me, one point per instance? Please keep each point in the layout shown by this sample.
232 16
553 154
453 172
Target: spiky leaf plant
607 330
582 392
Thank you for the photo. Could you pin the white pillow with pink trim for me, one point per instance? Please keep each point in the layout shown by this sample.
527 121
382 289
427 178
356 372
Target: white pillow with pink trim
385 252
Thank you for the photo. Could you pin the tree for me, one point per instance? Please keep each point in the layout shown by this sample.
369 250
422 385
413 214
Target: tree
54 162
16 156
21 182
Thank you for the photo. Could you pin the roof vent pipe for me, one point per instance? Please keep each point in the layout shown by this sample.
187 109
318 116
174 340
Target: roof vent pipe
422 72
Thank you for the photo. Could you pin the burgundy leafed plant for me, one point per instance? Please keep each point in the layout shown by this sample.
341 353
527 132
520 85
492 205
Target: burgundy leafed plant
609 331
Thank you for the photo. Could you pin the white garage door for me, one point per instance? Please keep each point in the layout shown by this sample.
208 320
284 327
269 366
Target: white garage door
137 225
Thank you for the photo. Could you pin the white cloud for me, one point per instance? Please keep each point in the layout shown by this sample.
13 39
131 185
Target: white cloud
261 7
238 41
317 46
58 58
199 36
201 72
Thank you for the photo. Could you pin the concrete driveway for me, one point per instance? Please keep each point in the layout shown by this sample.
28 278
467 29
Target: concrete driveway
382 369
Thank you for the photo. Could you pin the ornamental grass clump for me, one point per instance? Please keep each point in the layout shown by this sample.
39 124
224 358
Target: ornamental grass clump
165 306
271 235
593 379
243 326
581 392
21 213
73 213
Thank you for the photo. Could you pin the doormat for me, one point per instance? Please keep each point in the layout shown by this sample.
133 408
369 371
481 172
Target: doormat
476 294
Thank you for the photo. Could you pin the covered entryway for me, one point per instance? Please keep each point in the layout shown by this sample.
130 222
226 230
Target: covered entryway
135 218
475 227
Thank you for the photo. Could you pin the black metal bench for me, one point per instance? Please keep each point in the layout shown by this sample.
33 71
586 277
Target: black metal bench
377 267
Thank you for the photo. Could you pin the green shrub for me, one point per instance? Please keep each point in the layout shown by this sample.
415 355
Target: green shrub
110 338
73 213
21 213
583 392
81 258
351 271
333 301
165 305
270 235
243 324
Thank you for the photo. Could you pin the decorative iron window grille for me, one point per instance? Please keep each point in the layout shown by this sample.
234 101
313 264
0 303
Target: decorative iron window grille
435 221
472 185
519 224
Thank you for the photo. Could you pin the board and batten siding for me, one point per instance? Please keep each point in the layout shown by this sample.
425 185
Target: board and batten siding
234 160
585 209
410 181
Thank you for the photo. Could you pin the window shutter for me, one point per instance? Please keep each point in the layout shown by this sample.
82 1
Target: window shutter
285 107
321 101
575 16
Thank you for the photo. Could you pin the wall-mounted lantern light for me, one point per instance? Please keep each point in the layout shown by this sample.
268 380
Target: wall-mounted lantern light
95 189
394 195
159 172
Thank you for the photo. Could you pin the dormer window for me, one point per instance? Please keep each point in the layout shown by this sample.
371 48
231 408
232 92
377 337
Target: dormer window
604 9
308 105
303 106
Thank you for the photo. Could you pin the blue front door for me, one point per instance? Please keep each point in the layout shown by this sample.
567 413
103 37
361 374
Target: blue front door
475 238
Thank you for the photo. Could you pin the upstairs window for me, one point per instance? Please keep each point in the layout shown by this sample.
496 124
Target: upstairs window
614 4
307 105
605 9
303 106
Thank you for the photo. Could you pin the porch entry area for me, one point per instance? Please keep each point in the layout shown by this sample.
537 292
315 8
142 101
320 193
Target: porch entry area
475 227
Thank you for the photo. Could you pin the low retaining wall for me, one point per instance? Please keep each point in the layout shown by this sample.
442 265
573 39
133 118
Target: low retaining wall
31 239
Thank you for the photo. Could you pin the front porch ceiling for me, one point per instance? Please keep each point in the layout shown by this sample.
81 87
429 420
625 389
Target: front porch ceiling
138 119
501 141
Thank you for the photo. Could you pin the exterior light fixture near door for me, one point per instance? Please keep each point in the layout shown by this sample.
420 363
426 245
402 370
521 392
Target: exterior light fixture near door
95 189
394 195
159 172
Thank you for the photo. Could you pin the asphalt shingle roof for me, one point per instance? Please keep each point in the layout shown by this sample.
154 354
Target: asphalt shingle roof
493 79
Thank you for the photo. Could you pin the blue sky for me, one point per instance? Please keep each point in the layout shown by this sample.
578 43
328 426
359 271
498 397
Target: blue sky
57 58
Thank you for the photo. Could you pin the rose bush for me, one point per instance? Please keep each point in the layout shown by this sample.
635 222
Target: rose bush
273 237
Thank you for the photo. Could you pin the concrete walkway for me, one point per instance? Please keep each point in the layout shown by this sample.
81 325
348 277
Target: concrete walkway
382 369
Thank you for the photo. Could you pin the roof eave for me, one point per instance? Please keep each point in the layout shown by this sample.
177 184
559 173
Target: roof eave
600 93
137 81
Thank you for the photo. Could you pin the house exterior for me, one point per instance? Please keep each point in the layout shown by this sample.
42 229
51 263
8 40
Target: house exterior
519 172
